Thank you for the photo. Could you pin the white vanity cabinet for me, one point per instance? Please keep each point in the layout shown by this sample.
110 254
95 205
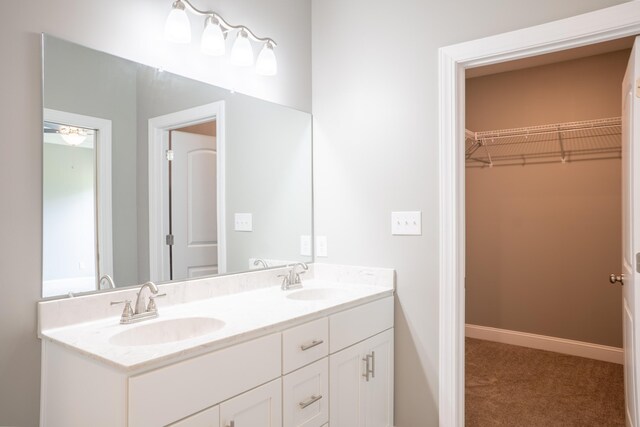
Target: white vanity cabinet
260 407
207 418
309 375
362 383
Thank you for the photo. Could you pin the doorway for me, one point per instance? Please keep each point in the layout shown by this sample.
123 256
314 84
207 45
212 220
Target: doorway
543 232
193 210
595 27
187 218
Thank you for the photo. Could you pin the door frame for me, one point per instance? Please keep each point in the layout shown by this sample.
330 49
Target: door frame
159 128
104 211
590 28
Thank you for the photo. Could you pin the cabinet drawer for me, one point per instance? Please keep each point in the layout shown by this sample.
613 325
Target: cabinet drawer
305 396
171 393
305 344
260 407
207 418
357 324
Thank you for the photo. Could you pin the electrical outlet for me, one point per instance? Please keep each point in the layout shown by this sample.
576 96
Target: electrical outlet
243 222
305 245
406 223
321 246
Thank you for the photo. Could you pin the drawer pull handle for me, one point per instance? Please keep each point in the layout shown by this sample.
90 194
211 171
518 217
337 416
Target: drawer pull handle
310 401
314 343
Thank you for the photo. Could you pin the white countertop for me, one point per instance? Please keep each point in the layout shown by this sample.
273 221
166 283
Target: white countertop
247 315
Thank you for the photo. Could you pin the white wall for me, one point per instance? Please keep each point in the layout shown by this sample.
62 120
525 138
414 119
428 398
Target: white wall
131 29
375 105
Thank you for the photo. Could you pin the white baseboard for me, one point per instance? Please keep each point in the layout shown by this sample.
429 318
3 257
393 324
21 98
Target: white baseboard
541 342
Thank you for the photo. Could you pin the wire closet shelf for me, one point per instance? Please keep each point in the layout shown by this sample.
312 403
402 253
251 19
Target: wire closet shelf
562 142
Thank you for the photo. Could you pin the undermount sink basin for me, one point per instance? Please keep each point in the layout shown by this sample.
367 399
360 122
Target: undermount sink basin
166 331
318 294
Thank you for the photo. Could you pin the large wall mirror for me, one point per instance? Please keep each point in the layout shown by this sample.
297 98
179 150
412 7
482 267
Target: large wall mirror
148 175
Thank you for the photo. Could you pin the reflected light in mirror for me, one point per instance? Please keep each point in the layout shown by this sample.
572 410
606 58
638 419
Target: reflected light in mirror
177 29
72 135
242 53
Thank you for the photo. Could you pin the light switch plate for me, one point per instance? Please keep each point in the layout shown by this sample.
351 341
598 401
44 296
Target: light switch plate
305 245
321 246
243 222
406 223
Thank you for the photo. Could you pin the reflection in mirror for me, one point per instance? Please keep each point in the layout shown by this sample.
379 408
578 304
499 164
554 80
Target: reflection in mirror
153 176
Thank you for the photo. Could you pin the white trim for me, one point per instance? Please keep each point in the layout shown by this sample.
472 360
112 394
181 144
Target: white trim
542 342
104 193
595 27
159 128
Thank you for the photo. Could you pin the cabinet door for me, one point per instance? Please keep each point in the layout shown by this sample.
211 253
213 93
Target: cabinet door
260 407
207 418
346 369
377 394
358 398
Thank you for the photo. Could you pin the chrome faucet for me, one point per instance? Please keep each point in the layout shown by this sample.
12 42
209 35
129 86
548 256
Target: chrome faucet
142 310
141 306
292 279
109 281
259 261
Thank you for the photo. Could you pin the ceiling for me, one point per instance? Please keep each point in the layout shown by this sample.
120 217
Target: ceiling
550 58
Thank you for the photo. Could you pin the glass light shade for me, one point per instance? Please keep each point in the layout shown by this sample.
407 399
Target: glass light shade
72 135
177 29
266 64
212 42
73 139
241 52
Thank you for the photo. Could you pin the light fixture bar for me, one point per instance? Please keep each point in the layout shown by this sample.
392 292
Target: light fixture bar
227 27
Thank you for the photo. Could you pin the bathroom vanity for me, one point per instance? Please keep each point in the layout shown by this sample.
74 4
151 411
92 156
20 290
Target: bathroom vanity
228 351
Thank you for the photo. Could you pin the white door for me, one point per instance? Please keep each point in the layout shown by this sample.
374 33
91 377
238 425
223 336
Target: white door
361 383
194 214
378 391
260 407
346 368
631 228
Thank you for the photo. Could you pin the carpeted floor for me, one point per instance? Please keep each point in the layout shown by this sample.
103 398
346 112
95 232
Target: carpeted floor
508 385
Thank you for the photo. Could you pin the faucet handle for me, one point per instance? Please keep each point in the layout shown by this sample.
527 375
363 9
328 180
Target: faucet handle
285 280
152 302
127 313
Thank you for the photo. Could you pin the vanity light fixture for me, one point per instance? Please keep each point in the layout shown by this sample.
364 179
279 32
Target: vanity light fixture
242 52
72 135
178 30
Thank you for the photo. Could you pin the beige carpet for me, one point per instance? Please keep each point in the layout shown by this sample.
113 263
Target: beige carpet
508 385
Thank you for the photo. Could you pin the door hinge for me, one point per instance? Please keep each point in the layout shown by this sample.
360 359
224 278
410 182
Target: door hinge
169 155
169 239
638 88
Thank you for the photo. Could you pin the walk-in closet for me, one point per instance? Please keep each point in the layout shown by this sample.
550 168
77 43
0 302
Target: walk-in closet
543 200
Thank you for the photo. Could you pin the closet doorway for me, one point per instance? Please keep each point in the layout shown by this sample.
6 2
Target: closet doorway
543 194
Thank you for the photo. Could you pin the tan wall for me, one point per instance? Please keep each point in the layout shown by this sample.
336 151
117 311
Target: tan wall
542 239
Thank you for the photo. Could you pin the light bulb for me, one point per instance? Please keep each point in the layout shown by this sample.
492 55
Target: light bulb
212 42
266 64
177 29
241 52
